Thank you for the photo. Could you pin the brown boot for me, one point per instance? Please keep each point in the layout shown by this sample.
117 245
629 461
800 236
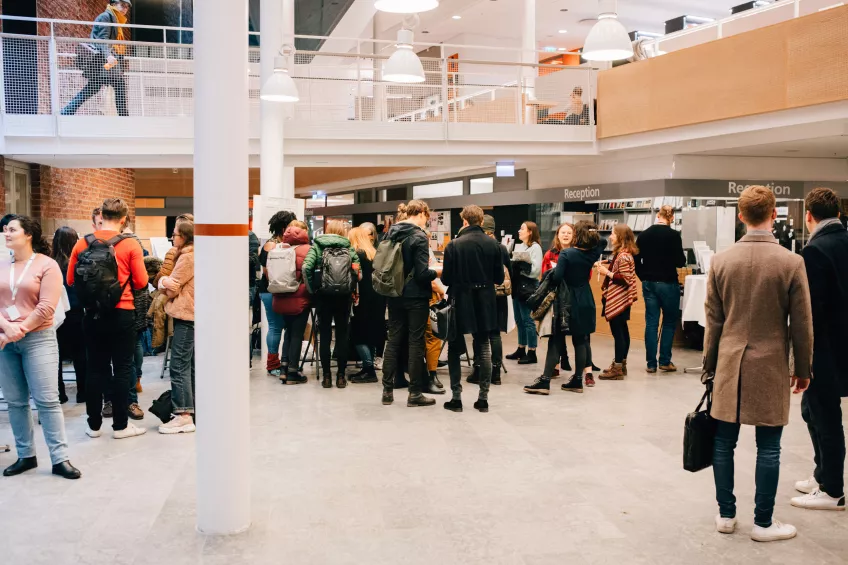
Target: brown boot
608 370
624 367
614 373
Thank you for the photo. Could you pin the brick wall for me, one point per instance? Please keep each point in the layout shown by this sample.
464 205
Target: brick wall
65 197
80 10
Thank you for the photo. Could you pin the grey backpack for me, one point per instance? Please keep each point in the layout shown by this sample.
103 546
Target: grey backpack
282 270
388 279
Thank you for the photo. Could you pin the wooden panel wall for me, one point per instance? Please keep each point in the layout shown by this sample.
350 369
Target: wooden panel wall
797 63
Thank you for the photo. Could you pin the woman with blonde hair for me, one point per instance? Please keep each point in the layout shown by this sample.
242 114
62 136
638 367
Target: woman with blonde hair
619 294
368 327
332 256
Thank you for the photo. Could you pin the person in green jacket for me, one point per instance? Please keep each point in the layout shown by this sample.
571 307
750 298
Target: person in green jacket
331 307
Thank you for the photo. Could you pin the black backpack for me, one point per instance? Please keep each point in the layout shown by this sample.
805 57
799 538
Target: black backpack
336 271
96 275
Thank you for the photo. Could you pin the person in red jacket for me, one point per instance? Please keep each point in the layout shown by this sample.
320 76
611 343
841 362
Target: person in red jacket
294 306
563 238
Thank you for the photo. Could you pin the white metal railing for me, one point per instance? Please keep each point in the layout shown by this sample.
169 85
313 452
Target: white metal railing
770 14
43 73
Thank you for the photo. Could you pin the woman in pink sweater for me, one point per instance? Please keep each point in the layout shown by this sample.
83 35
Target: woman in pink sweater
30 289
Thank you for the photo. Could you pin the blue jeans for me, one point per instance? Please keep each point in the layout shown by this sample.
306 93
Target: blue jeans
138 361
182 367
366 355
526 327
276 325
766 477
663 297
29 367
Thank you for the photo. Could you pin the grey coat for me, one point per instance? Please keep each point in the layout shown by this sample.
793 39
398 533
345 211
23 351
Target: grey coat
757 298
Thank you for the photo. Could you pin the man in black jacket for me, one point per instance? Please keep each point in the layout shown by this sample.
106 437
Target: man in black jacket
100 62
409 314
473 266
826 260
660 255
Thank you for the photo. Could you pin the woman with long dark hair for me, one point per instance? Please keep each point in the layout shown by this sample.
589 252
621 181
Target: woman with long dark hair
619 290
526 269
69 335
30 289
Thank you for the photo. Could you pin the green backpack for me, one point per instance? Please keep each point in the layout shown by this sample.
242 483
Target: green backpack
388 279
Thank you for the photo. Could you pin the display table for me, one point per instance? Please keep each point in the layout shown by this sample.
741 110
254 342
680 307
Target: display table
694 300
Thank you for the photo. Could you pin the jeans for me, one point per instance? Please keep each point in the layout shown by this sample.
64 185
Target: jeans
333 308
408 320
28 367
483 356
621 335
276 325
110 342
663 297
295 328
182 367
138 361
366 355
766 477
72 346
496 343
526 327
821 408
113 78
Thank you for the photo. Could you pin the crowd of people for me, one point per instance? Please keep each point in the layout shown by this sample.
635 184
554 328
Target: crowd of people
385 293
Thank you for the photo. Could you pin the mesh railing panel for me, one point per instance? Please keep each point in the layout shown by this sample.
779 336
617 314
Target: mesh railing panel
26 75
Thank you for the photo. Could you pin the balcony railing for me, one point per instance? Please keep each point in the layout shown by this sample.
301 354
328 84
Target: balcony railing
463 84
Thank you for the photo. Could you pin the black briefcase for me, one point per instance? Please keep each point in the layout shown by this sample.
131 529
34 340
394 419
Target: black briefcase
699 432
443 321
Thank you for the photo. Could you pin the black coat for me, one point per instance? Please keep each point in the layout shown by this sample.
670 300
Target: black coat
369 316
826 260
473 265
574 266
503 301
416 259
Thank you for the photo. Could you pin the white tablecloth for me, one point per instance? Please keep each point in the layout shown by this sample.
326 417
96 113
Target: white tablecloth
694 299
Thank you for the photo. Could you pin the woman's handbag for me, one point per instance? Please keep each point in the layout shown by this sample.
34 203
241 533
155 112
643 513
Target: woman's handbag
540 293
443 320
699 431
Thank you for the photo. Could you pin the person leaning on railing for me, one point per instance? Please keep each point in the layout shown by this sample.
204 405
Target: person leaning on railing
100 62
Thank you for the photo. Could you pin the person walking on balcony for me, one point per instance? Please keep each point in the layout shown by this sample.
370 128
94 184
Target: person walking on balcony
102 63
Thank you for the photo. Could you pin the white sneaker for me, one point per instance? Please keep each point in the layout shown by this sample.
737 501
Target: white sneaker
819 500
179 425
130 431
725 525
777 531
807 486
92 433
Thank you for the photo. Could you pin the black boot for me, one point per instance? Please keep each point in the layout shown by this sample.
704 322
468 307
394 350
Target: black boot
454 405
434 376
368 375
417 399
482 405
431 387
341 381
66 470
539 386
388 396
529 359
496 374
519 354
474 377
20 466
293 378
574 385
327 381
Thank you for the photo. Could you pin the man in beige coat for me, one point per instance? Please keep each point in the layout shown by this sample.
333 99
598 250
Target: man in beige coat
758 306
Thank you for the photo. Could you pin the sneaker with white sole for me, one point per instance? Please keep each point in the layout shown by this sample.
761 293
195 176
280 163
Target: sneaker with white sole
130 431
92 433
179 425
819 500
725 525
807 486
777 531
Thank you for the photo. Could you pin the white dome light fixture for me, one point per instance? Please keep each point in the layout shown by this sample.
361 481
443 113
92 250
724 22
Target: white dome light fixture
404 65
280 86
406 6
608 40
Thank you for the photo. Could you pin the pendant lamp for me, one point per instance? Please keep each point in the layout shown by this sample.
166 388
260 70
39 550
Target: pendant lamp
608 39
280 86
404 65
406 6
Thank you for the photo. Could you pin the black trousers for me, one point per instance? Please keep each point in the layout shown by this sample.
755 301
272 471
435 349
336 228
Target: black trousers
295 328
821 408
114 78
72 346
621 335
330 309
110 344
495 343
482 356
408 319
556 347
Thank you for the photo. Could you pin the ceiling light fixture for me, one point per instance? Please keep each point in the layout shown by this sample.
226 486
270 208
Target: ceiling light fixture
608 39
406 6
404 65
563 31
280 86
457 17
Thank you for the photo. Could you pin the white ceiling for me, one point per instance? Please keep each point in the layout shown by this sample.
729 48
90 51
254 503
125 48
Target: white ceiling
826 147
501 19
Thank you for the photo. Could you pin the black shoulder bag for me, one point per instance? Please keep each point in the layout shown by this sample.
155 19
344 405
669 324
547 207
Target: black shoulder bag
699 431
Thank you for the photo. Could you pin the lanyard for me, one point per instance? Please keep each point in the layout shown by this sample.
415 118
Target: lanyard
14 286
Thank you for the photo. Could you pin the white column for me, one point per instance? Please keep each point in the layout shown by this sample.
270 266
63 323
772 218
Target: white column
220 204
528 50
272 113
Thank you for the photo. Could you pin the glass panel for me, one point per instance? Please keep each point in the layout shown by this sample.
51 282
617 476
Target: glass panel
340 199
482 186
22 191
437 190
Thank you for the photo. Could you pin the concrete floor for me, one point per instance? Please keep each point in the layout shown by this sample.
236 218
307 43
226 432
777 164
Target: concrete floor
338 478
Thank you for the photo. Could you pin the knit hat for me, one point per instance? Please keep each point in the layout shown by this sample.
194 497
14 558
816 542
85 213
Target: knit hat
488 224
